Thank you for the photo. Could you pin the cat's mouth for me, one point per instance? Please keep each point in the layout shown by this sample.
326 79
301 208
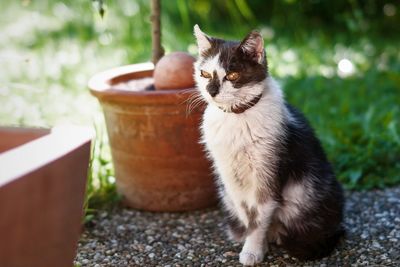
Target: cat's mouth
224 103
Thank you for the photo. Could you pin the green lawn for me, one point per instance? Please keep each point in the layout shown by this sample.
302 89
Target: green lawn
49 49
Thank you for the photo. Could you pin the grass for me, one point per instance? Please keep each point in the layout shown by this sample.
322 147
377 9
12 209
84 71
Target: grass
358 125
49 49
101 191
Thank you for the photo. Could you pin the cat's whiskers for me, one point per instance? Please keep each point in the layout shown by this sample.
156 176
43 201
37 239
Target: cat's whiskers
198 102
183 91
194 101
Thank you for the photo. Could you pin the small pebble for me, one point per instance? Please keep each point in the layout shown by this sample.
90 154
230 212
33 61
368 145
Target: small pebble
230 254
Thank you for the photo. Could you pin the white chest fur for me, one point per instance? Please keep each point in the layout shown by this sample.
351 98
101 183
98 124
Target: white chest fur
242 146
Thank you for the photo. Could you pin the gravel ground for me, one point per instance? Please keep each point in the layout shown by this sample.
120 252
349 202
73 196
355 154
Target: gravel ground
131 238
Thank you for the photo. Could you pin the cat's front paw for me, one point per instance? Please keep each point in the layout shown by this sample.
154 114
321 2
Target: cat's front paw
249 258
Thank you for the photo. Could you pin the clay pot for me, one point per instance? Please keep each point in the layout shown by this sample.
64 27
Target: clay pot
159 163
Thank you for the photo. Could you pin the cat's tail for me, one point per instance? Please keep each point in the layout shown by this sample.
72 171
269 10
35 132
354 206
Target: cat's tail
312 247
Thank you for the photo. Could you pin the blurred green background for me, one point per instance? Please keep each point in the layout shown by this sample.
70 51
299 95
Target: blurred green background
339 62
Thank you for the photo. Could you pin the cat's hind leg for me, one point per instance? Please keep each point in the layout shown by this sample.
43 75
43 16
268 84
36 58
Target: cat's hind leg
312 244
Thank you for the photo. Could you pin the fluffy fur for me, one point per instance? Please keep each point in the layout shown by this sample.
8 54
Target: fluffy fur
275 182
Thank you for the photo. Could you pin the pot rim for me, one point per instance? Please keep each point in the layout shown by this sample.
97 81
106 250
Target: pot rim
101 86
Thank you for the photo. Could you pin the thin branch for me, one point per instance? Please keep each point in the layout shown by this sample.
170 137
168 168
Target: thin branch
155 18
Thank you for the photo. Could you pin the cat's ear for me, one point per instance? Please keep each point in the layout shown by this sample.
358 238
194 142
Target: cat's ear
253 46
203 41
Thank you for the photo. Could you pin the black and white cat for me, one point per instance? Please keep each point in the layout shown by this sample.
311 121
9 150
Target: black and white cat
275 181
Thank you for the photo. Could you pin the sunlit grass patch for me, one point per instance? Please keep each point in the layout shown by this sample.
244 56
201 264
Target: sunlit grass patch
358 121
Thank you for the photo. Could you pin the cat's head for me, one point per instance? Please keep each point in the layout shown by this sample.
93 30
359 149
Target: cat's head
229 74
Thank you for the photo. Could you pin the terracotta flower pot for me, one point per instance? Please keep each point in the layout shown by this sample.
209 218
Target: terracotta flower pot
159 163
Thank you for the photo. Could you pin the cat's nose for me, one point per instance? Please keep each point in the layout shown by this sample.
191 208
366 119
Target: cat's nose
213 92
213 87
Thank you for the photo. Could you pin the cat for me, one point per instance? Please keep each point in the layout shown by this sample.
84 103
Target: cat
274 180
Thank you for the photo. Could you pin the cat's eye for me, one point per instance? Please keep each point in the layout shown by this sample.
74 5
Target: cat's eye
205 74
232 76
